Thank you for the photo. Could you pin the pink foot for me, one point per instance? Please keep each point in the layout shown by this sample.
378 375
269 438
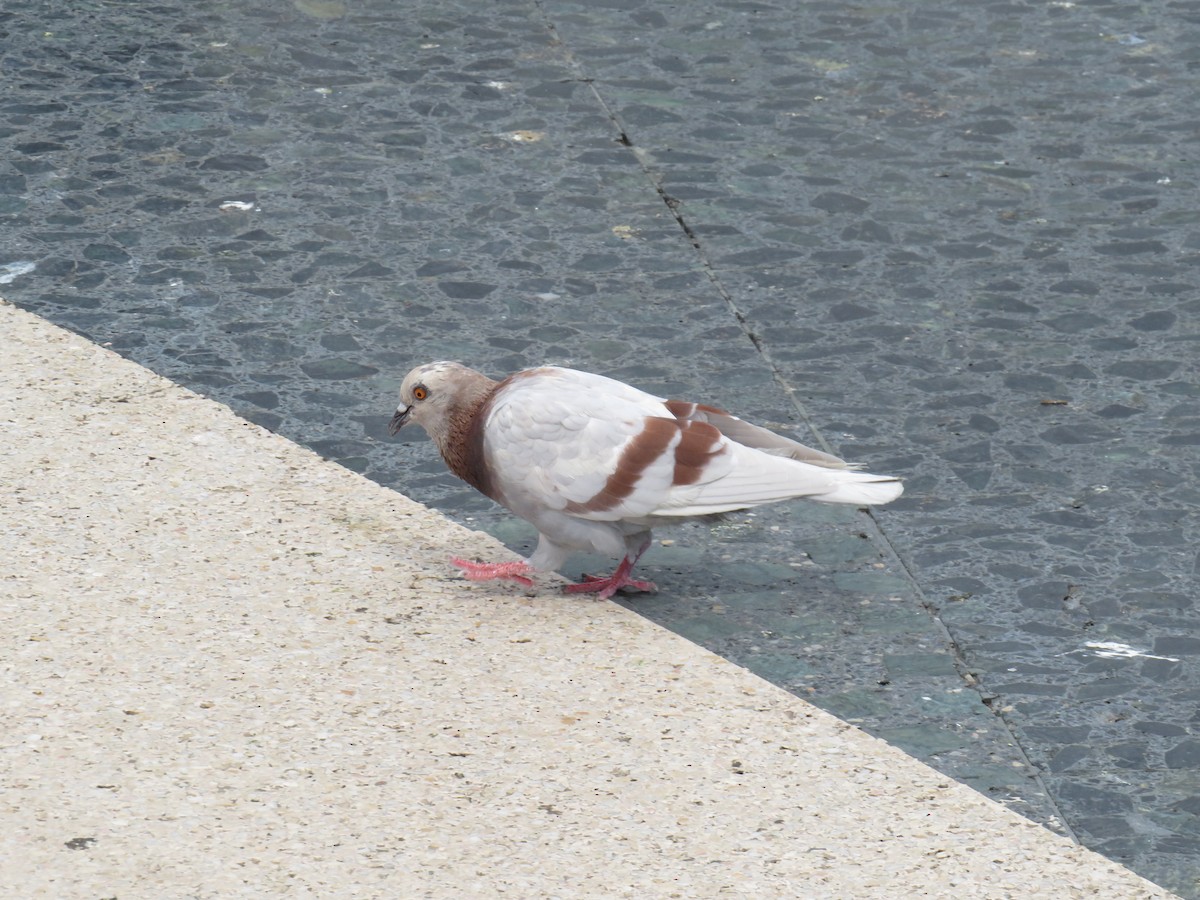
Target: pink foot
513 571
606 587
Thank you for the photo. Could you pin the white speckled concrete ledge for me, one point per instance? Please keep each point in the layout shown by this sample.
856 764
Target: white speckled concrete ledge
234 670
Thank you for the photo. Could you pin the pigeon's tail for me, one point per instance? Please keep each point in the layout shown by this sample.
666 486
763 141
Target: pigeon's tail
862 489
755 478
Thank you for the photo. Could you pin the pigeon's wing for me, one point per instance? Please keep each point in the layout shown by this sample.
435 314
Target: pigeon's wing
756 466
740 477
570 441
558 439
755 436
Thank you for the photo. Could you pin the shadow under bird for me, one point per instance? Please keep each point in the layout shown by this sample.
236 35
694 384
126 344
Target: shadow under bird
594 464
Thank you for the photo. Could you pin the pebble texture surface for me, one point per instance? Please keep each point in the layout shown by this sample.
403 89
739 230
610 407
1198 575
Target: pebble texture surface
954 241
233 669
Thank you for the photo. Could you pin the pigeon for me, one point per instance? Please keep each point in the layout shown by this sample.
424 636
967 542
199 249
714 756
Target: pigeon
593 463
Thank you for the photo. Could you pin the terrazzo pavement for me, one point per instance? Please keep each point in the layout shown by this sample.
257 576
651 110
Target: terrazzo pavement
955 242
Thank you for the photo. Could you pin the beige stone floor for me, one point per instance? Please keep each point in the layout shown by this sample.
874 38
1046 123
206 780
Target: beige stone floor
231 669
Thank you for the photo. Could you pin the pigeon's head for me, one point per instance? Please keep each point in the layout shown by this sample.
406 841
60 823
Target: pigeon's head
429 393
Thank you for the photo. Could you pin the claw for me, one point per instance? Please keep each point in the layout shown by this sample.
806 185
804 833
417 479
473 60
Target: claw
606 587
619 580
510 571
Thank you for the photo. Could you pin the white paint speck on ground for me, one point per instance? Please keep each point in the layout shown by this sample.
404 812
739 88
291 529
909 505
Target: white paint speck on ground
1115 650
9 272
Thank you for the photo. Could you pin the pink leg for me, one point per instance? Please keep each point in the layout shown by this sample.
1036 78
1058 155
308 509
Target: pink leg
513 571
606 587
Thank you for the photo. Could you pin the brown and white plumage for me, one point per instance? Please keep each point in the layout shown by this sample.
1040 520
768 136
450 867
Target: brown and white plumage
594 464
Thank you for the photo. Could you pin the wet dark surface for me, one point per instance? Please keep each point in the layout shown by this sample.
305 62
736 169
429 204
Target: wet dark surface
957 242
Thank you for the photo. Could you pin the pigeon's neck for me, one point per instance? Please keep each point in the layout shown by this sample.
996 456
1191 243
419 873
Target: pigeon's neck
461 445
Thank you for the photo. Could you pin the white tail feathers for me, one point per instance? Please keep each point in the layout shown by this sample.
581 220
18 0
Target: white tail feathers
862 489
756 478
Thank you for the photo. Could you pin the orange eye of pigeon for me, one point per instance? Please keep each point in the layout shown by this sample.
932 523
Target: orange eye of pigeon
420 392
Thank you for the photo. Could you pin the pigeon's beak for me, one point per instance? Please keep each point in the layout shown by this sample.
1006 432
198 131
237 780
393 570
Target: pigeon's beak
398 420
